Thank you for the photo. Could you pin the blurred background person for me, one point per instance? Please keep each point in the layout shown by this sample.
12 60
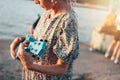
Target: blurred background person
116 41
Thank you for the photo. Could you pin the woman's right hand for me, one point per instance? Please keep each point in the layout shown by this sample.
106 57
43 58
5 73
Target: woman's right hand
14 45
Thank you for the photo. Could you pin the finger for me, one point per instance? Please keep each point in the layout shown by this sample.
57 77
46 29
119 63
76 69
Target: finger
21 48
26 43
12 51
13 54
17 40
13 46
15 43
21 53
22 59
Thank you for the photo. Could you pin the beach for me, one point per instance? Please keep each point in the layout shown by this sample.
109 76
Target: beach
88 65
19 14
9 69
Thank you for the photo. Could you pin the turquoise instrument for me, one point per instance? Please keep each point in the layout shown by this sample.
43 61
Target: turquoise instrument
36 47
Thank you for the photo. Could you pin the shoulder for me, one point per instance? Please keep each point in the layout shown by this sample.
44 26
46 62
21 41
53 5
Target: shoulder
70 15
69 20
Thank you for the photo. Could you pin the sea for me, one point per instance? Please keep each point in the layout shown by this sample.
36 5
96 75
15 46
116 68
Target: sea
17 15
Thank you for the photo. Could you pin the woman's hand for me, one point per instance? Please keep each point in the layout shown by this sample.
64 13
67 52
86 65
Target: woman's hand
25 58
29 64
14 45
26 43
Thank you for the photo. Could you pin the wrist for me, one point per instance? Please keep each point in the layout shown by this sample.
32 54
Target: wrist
30 66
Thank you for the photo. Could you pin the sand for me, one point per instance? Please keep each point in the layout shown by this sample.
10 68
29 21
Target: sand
88 66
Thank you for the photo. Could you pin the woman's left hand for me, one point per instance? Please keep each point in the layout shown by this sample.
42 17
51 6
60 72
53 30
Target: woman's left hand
25 58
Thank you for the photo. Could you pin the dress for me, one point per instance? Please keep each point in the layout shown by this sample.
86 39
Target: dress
62 40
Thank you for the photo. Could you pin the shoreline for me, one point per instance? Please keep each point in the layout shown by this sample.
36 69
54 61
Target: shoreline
20 26
87 5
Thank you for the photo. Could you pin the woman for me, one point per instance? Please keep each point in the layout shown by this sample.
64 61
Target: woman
58 26
115 44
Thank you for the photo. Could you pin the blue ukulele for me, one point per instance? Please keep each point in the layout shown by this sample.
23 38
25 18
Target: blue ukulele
36 47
